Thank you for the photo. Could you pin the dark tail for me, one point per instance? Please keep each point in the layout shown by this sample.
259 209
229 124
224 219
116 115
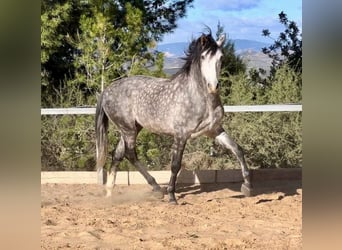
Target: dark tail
101 127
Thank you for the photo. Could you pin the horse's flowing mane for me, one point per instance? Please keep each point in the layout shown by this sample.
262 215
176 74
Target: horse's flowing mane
193 54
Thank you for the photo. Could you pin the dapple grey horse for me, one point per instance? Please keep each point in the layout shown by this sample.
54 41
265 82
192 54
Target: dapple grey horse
186 106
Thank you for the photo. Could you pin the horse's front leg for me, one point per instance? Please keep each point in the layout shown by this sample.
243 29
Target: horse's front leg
176 161
226 141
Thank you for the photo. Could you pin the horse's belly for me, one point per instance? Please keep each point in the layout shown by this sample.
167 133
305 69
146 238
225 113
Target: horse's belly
157 126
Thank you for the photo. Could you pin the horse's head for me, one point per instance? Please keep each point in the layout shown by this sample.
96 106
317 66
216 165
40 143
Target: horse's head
210 61
203 61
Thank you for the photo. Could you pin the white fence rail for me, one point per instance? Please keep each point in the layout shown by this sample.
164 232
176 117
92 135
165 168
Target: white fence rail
227 109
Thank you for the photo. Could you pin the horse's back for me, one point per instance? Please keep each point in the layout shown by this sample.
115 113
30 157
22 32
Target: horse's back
133 99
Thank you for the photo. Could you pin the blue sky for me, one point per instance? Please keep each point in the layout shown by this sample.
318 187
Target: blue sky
242 19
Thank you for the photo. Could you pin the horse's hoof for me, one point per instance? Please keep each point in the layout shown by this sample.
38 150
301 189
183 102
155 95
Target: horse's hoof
172 199
159 194
173 202
246 190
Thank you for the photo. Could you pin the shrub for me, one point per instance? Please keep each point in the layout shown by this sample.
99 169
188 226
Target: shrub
269 139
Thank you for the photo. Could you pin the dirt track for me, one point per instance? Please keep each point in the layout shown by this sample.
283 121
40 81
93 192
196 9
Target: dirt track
207 217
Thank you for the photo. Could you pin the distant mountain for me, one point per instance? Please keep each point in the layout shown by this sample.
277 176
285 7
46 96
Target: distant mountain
173 49
242 45
249 50
177 49
255 59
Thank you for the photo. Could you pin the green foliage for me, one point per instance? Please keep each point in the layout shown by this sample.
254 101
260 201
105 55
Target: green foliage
287 48
154 150
269 139
86 44
231 63
90 43
138 67
68 142
242 90
286 86
94 62
51 19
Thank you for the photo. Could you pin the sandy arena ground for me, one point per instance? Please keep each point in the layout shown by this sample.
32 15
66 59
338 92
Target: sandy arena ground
213 216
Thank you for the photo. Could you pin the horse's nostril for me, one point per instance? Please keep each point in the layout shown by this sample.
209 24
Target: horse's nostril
213 87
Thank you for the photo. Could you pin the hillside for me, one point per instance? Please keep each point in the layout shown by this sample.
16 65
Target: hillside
249 50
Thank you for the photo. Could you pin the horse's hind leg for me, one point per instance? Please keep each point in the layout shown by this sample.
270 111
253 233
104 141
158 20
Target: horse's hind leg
226 141
131 155
117 156
176 161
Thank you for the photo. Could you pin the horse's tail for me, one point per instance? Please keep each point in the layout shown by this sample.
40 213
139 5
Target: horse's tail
101 127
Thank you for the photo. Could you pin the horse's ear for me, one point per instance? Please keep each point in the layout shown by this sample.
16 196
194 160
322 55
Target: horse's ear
221 40
203 40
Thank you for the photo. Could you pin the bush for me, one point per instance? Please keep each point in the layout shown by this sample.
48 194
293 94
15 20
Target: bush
269 139
68 142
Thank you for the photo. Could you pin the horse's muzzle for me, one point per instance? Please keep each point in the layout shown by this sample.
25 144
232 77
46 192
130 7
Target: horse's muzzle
213 88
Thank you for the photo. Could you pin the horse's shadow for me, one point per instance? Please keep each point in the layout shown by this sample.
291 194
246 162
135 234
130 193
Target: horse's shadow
192 182
287 187
267 187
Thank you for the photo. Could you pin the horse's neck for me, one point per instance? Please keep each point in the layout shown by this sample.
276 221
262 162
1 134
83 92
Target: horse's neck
199 88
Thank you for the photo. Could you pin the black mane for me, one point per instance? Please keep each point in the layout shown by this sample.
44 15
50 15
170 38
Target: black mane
194 51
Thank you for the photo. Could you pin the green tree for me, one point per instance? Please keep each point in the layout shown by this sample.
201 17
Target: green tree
287 48
232 64
51 19
98 51
59 67
96 62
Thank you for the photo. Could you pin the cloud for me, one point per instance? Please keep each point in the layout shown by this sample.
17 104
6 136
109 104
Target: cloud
228 5
236 27
242 19
169 54
250 28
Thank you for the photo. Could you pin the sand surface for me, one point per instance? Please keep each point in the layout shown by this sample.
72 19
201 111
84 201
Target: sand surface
207 217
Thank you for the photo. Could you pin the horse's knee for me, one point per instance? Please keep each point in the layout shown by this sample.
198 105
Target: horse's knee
224 140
